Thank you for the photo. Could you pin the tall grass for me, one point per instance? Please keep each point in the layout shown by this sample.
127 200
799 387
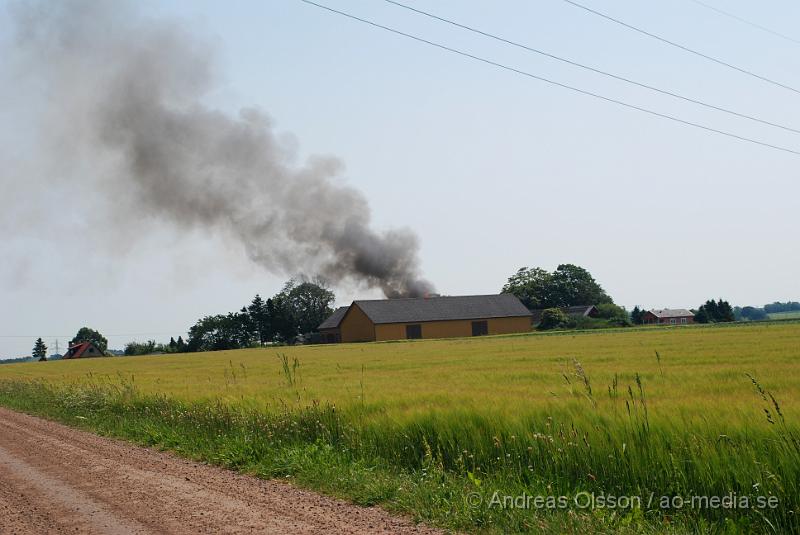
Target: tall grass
428 464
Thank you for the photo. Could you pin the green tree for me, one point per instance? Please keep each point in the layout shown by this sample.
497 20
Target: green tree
614 314
553 318
260 318
573 285
531 286
724 311
85 334
637 315
715 311
753 313
39 350
284 324
311 305
138 348
611 311
568 285
220 332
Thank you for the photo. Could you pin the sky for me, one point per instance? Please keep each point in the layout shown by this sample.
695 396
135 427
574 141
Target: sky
492 170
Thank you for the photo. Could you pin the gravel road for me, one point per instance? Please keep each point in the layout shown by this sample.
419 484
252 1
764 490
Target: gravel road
55 479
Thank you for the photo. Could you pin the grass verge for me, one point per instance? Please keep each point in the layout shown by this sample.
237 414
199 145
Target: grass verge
453 469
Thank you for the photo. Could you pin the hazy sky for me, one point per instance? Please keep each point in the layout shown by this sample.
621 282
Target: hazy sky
492 170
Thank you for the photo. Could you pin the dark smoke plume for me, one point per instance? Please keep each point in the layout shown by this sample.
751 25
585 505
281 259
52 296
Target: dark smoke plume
129 90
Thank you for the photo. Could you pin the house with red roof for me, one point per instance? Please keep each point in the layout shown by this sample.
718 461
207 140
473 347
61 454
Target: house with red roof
83 350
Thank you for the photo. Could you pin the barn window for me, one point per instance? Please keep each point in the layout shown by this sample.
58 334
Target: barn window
480 328
413 331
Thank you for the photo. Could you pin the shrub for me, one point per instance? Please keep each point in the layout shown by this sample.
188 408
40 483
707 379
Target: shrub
553 318
610 310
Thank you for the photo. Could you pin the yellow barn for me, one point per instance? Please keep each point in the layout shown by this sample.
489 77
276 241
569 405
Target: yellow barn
426 317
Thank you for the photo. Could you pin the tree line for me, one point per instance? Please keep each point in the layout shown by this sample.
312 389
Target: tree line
290 316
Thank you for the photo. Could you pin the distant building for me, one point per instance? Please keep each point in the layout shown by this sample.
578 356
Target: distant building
82 350
329 329
427 317
668 316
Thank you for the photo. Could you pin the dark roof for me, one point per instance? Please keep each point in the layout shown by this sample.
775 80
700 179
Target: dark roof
463 307
334 319
576 310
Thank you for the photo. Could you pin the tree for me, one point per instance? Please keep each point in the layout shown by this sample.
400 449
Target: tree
714 311
40 351
777 306
614 314
637 315
311 305
568 285
137 348
260 317
531 286
85 334
753 313
573 285
284 325
223 331
724 311
298 308
611 311
553 318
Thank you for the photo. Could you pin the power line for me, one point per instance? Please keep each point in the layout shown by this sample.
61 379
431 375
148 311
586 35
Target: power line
547 80
592 69
745 21
682 47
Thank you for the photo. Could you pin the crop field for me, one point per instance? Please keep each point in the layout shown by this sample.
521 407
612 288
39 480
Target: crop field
443 430
793 315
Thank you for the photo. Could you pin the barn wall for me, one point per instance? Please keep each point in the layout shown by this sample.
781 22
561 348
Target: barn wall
509 325
452 329
356 326
392 331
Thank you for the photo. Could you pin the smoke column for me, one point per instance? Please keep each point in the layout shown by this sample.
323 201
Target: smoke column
129 90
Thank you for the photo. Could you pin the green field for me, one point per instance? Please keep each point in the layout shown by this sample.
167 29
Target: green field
794 315
423 427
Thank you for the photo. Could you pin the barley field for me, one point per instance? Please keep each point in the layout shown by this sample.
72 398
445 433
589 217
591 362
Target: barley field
430 428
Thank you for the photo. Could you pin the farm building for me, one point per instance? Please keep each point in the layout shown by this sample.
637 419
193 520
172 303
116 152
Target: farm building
427 317
329 329
588 311
668 316
83 350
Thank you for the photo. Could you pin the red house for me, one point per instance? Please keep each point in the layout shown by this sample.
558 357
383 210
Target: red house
668 316
83 350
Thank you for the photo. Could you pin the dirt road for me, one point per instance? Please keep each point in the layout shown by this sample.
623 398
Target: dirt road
54 479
